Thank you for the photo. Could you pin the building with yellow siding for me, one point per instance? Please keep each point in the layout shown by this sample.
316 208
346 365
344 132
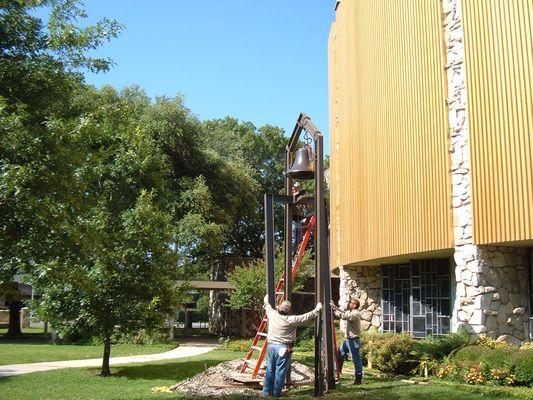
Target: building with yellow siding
431 173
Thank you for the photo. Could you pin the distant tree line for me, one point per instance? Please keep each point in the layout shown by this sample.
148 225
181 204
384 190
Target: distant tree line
108 197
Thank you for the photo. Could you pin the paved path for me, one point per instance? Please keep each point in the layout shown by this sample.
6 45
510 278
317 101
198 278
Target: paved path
185 350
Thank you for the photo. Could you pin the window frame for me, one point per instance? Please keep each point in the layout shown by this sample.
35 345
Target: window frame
429 280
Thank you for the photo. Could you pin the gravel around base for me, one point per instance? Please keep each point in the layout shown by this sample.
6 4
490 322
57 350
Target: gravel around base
218 381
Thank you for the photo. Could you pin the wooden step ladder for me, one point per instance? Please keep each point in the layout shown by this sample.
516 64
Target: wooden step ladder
280 296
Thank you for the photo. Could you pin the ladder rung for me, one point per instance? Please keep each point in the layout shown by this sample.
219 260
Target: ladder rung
257 348
262 334
280 292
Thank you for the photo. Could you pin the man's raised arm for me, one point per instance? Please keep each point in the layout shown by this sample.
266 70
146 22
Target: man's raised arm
298 320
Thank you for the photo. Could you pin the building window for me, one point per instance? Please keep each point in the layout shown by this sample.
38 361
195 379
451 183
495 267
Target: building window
417 297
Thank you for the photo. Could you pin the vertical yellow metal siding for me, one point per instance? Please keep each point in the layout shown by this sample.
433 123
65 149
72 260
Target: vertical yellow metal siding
499 65
334 225
392 167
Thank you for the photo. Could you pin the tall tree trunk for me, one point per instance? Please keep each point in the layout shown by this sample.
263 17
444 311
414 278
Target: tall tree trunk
14 318
106 371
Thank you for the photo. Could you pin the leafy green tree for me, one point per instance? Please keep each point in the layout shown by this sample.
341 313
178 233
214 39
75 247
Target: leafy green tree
262 152
117 272
212 192
40 66
155 205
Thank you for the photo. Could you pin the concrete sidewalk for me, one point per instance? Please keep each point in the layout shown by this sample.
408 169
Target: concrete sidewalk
180 352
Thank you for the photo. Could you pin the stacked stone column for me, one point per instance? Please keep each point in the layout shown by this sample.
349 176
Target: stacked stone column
363 283
491 282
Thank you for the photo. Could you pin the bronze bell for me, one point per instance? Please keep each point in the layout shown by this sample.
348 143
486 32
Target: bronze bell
302 167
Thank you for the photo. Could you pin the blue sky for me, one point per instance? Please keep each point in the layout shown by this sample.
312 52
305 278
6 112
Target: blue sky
262 61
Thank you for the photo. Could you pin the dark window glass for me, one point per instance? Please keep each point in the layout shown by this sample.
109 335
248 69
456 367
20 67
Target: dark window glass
416 297
445 324
419 324
445 307
395 300
416 308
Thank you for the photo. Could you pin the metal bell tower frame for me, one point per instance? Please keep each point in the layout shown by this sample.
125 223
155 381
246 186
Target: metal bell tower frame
324 344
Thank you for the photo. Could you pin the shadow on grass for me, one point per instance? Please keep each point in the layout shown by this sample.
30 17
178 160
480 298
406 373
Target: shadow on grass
177 371
26 338
4 380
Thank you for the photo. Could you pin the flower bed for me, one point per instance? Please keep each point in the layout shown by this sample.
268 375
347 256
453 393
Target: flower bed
480 364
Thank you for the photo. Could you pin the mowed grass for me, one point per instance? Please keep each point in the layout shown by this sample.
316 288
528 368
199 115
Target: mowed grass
135 382
394 389
129 382
21 353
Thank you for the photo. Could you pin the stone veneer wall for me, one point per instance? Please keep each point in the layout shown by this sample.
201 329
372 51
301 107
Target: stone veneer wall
491 291
363 283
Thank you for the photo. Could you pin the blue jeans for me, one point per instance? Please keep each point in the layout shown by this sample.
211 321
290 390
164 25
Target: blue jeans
352 346
276 371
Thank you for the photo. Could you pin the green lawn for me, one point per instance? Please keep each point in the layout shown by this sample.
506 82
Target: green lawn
134 382
394 389
20 352
129 382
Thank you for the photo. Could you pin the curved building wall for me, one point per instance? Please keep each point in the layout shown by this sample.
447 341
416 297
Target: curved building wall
499 68
390 184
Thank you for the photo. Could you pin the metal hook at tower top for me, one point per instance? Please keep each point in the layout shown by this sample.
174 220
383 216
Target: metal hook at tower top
307 138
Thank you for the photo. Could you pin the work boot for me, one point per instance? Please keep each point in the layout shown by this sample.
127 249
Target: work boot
358 379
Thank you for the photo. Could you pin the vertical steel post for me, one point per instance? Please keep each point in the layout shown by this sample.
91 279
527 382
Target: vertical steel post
269 248
319 332
319 371
288 230
322 262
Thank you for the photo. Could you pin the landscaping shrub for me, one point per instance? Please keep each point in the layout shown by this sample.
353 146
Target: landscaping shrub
502 365
305 340
305 333
141 337
394 353
501 376
400 353
370 342
527 346
305 345
490 343
474 375
241 345
492 357
437 348
448 370
523 366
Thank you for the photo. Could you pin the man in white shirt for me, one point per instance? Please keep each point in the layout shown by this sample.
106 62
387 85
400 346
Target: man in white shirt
281 338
